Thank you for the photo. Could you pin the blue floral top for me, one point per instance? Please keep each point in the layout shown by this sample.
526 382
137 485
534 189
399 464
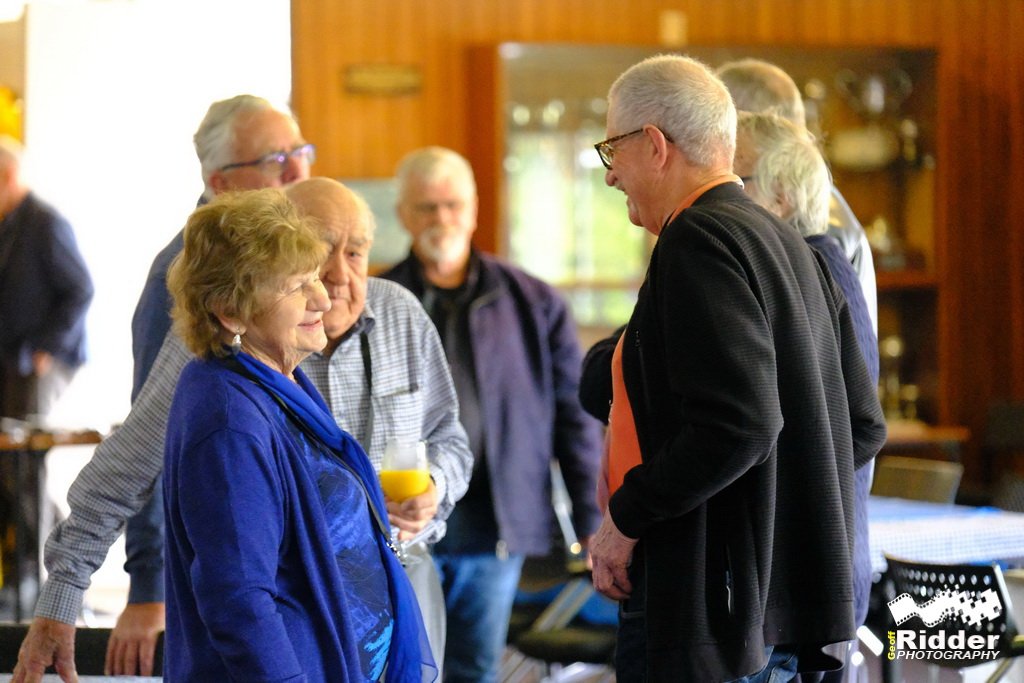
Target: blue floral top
352 532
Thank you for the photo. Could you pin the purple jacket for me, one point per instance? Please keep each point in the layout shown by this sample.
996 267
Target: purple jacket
527 362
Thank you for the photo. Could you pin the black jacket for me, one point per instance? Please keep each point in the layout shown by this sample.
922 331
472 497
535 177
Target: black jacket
753 408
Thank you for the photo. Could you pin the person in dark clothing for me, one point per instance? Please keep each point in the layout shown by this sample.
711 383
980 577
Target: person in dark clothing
515 362
741 408
45 292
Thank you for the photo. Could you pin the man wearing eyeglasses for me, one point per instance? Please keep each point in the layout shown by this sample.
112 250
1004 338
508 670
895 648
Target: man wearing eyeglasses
243 143
741 406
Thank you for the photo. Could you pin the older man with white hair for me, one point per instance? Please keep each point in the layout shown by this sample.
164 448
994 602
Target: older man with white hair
741 406
515 362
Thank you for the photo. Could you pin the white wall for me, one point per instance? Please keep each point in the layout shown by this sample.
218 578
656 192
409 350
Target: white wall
114 91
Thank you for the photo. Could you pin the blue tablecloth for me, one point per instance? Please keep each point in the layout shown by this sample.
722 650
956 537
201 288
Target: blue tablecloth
934 532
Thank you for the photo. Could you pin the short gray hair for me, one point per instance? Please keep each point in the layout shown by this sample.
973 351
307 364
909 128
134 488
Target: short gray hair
789 167
430 164
682 97
215 138
762 87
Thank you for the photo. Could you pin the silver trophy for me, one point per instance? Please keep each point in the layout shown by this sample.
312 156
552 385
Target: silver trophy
877 98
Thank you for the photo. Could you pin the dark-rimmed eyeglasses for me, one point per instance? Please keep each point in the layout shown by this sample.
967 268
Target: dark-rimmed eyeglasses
606 150
273 163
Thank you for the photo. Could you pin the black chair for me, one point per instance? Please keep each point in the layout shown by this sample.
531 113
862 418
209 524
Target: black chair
90 649
935 481
560 638
1010 493
539 578
549 633
922 582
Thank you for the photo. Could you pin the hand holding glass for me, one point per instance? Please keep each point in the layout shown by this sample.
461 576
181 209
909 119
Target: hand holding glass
404 474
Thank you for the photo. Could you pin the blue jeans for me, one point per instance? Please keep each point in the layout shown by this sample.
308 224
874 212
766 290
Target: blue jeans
631 640
478 591
781 667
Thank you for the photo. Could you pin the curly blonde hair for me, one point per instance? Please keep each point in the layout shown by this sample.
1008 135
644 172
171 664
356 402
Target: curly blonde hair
238 251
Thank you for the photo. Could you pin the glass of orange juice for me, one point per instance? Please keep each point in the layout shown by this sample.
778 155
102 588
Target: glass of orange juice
403 474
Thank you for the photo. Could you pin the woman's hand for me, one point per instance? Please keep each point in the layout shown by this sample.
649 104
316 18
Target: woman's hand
412 514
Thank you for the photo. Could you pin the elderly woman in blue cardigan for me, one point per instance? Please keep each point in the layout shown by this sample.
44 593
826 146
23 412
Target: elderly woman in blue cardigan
278 562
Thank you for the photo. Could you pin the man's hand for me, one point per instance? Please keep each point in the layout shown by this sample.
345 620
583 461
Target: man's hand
132 643
412 514
41 363
47 642
611 552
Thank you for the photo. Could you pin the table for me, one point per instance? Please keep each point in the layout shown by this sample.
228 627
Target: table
940 533
935 532
29 448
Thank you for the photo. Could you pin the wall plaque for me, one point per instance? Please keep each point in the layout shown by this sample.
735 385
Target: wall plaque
382 79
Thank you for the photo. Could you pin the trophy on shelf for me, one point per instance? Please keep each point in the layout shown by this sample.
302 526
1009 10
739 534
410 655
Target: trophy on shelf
877 97
886 244
899 399
874 94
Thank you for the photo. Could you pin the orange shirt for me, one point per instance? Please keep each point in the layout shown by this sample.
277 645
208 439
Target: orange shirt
622 442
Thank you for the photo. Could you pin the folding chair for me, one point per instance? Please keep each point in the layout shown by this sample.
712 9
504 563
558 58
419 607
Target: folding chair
922 582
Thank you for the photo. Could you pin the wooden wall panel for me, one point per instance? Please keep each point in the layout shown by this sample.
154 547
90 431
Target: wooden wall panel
979 146
1015 205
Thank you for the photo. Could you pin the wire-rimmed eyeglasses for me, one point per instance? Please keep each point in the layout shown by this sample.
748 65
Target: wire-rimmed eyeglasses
273 163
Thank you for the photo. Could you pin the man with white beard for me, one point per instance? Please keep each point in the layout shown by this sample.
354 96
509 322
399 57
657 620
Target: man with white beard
515 361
